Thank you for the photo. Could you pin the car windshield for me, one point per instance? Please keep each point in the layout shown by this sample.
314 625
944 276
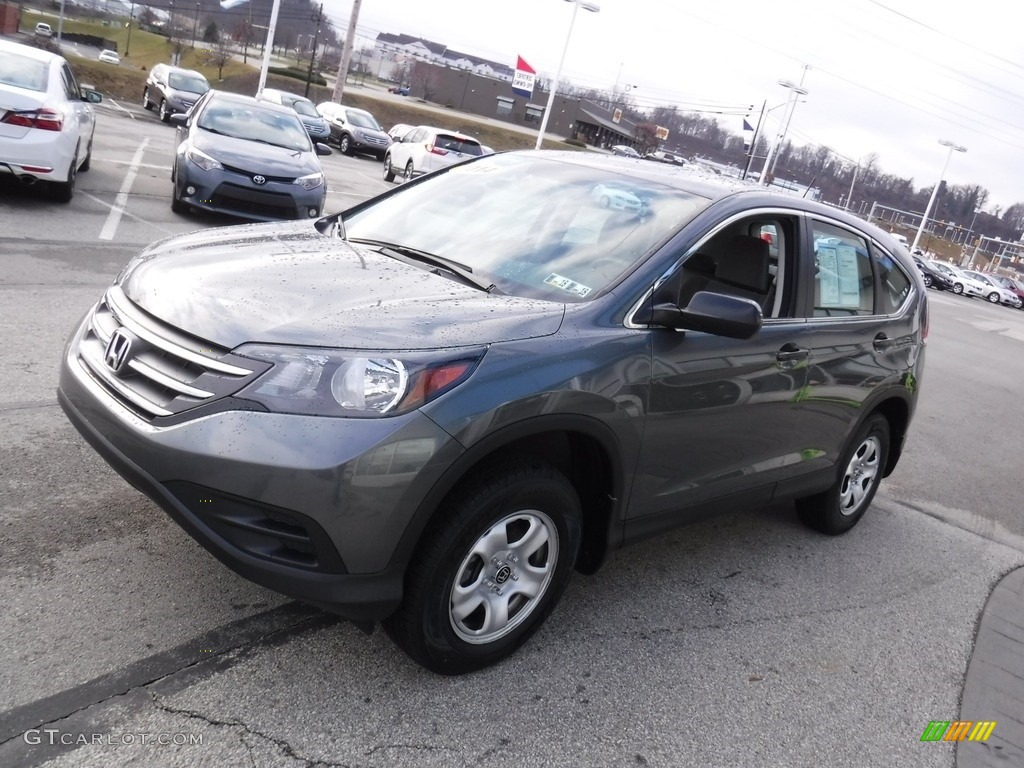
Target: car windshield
363 120
537 227
22 72
304 107
241 121
189 83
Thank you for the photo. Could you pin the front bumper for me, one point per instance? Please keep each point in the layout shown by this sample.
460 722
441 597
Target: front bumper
235 194
310 507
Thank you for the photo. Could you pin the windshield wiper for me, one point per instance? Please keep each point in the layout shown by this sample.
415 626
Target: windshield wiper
407 254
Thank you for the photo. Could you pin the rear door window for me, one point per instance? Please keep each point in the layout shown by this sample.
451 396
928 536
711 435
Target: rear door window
843 278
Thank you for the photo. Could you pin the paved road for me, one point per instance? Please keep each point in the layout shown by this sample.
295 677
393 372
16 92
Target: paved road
745 641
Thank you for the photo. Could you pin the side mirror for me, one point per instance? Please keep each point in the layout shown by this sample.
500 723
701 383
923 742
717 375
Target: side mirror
178 118
714 313
323 150
93 97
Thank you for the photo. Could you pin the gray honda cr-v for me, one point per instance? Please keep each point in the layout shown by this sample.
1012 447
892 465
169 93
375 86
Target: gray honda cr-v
431 409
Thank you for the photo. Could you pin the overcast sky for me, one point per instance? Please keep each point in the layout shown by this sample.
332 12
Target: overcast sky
891 77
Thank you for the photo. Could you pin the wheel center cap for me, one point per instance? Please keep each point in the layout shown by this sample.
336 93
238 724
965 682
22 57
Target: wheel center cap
502 574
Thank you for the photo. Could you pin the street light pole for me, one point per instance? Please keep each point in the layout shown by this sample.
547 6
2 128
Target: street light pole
931 201
769 161
195 25
576 5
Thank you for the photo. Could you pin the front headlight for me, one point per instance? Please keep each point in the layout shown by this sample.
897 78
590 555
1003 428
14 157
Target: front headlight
328 382
202 159
312 181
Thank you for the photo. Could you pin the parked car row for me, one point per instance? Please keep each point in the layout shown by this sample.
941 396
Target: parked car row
996 289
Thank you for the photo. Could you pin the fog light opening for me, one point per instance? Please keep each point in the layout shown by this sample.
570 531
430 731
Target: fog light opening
190 190
313 212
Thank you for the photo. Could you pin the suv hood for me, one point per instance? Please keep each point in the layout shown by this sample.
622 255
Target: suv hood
288 284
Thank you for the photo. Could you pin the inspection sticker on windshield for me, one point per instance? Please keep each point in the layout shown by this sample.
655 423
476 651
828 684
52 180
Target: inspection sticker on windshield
566 284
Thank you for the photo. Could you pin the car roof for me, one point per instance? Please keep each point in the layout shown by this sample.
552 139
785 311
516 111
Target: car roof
238 98
449 131
29 51
183 71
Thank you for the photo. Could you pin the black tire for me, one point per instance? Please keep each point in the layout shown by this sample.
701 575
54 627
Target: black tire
511 530
389 172
345 144
409 171
958 289
165 115
862 465
87 163
993 297
146 103
927 281
64 191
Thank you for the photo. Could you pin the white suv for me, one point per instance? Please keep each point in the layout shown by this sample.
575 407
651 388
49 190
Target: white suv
425 149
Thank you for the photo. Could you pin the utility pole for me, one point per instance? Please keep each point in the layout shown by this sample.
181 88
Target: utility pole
316 39
346 55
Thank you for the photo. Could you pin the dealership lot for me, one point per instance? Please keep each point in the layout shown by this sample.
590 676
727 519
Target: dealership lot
742 641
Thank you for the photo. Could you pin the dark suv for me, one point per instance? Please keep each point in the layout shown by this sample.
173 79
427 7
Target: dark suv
432 408
172 90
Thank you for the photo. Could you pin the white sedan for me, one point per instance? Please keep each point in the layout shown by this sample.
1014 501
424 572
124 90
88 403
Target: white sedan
46 119
963 283
110 57
996 293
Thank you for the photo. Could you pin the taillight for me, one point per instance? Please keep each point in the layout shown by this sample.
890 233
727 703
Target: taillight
435 150
44 119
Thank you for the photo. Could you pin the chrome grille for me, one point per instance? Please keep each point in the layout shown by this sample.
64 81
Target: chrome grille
165 371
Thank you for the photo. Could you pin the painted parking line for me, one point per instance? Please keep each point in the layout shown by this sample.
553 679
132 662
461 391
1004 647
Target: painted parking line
114 217
128 214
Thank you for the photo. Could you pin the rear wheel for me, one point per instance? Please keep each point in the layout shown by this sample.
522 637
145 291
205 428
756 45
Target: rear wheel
63 191
491 570
389 172
927 281
862 464
88 159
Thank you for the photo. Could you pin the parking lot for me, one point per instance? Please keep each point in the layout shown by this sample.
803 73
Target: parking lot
746 641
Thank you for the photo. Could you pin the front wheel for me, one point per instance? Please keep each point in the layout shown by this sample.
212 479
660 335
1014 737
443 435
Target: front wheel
146 103
927 281
863 463
165 114
389 172
993 297
958 289
491 570
345 145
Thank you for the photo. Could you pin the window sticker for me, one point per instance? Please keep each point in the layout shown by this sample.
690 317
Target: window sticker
565 284
839 276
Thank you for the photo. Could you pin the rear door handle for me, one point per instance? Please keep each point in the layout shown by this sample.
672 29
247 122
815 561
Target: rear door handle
789 355
883 342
